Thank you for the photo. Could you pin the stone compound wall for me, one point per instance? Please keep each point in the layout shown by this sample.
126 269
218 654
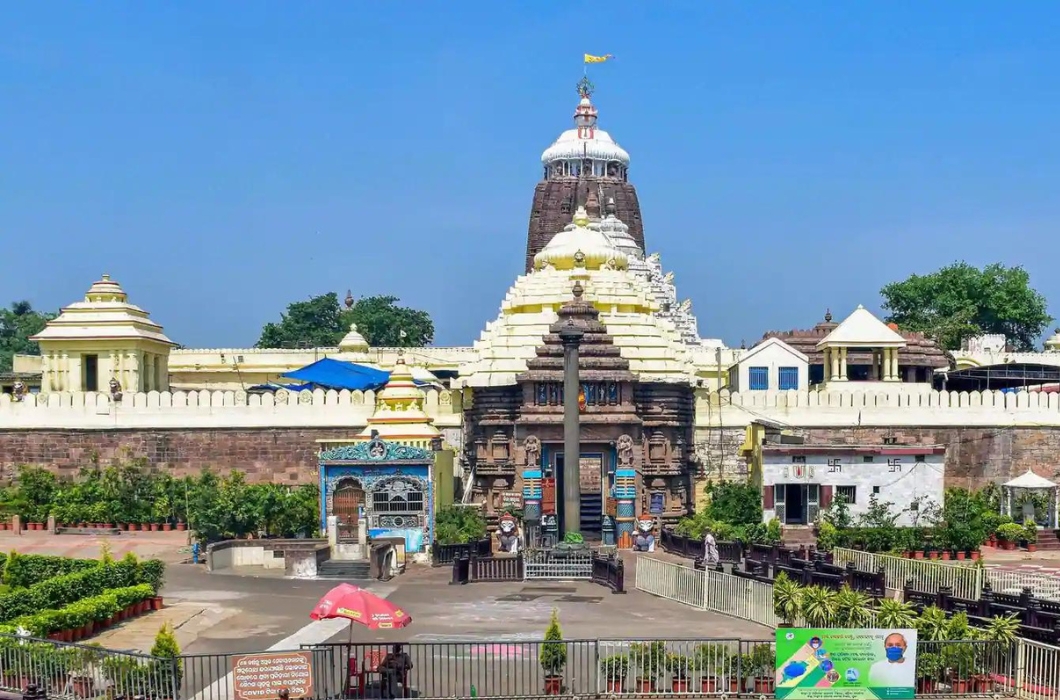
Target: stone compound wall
989 436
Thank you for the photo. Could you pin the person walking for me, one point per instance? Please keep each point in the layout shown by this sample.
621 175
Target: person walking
710 549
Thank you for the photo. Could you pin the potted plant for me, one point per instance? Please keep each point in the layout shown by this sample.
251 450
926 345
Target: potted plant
764 668
787 599
710 661
928 670
1009 534
680 667
1030 534
648 657
181 526
553 656
615 669
959 660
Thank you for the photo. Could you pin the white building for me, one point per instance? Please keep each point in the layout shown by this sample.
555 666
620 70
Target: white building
772 365
798 481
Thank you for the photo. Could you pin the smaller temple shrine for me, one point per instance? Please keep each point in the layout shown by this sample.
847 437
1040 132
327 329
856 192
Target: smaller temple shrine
382 482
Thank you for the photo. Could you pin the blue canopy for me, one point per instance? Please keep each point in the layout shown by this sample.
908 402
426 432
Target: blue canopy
336 374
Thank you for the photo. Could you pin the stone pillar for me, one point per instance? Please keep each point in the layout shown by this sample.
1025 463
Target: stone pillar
827 375
571 336
843 364
833 355
895 376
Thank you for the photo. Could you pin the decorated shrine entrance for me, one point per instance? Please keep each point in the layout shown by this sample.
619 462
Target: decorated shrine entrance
383 486
346 505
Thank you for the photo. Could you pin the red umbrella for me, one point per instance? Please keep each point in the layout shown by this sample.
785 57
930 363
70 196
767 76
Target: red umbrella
360 606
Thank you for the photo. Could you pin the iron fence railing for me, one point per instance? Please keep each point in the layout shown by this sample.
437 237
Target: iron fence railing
446 554
492 669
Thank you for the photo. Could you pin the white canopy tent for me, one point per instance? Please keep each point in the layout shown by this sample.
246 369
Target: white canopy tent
1028 484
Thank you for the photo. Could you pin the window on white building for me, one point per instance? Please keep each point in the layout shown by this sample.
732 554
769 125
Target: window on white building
866 458
758 378
789 378
875 490
847 493
799 459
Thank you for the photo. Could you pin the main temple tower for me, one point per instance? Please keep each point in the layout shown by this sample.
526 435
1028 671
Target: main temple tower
582 160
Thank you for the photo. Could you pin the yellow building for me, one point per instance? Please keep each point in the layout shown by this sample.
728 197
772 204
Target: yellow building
103 339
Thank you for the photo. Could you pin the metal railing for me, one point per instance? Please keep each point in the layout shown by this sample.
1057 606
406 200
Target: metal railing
64 670
504 668
1043 586
929 575
446 554
570 565
707 590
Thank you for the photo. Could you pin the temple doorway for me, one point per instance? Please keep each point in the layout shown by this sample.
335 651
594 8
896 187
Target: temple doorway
591 489
797 504
346 507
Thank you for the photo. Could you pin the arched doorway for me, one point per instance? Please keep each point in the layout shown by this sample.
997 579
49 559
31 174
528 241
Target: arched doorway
345 506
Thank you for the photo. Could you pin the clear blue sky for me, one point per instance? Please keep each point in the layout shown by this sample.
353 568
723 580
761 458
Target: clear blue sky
224 159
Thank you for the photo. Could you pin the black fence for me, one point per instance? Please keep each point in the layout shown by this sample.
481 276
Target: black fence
1039 619
446 554
683 546
816 572
604 569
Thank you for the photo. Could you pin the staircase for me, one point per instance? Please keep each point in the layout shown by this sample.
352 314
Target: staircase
796 535
592 508
1048 541
359 570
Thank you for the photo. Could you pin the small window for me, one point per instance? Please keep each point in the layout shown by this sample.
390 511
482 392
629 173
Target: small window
798 459
847 493
875 490
789 378
890 441
758 378
866 458
920 458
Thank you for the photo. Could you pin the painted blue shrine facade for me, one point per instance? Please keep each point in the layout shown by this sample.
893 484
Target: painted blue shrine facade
394 488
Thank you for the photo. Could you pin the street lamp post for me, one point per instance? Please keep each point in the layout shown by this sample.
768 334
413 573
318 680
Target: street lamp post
571 336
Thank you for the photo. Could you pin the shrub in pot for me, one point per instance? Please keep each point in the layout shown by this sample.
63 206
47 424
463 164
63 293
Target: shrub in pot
1009 534
680 668
1030 534
648 658
711 662
553 656
764 667
787 599
615 669
928 670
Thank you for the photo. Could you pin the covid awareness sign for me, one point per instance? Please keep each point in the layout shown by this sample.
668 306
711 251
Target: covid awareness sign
845 664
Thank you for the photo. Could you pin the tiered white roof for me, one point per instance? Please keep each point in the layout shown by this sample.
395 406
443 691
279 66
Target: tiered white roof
626 302
586 141
104 314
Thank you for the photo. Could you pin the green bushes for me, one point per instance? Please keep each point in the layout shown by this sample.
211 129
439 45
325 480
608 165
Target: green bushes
459 524
94 609
61 591
25 570
735 513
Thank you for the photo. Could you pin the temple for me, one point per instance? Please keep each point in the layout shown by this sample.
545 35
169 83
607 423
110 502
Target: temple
393 434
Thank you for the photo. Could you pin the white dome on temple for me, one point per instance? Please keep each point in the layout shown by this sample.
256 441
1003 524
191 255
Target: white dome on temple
585 149
652 344
579 245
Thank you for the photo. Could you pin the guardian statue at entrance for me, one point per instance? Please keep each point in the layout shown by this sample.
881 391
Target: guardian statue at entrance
644 539
508 534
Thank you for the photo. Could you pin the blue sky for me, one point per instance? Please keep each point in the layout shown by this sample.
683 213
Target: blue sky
224 159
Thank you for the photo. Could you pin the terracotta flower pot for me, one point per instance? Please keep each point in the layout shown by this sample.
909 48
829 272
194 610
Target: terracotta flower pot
154 527
166 527
145 527
961 556
82 686
975 554
1008 546
961 685
983 684
933 555
3 526
764 685
1032 547
708 684
679 685
925 685
734 685
553 685
181 525
156 603
616 685
645 685
82 524
109 526
945 556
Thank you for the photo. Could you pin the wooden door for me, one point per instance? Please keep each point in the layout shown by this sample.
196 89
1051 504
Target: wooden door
346 505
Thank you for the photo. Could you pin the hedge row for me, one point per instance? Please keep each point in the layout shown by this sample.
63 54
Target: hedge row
64 590
94 609
25 570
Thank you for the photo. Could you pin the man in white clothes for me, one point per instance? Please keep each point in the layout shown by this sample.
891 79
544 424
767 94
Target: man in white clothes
895 671
710 549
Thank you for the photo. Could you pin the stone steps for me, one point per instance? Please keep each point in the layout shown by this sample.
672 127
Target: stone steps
360 570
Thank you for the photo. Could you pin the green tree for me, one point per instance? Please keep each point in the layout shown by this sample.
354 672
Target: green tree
17 324
959 301
321 322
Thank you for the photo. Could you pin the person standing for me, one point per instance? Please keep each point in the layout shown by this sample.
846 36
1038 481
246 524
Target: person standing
710 549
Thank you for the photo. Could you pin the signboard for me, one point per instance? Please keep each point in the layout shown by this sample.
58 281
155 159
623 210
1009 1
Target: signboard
262 676
511 500
548 494
845 664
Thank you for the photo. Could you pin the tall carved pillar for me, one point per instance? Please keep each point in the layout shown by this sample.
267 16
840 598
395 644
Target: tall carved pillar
571 337
625 493
895 376
532 481
843 364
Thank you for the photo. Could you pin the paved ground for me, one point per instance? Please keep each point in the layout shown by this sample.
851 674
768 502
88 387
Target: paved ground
168 546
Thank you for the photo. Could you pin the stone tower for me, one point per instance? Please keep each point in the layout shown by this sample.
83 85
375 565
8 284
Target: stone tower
584 160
